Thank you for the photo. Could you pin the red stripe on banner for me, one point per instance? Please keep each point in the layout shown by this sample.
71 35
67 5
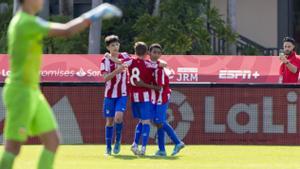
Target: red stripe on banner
184 69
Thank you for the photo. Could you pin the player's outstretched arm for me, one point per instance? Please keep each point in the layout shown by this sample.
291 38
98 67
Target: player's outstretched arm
103 11
69 29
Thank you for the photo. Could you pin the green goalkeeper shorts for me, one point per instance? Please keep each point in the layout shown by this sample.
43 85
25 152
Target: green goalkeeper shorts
27 113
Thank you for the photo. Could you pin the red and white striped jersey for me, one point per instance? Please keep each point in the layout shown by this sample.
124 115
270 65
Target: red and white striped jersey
140 69
161 79
117 86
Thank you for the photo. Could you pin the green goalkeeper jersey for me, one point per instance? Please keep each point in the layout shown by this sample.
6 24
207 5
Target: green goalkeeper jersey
25 36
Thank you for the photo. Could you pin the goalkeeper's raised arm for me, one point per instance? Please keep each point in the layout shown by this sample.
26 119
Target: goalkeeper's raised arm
77 25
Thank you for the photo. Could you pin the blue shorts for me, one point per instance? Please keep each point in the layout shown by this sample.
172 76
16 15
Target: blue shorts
160 113
142 110
113 105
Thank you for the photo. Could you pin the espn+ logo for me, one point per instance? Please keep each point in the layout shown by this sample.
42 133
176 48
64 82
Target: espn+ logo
238 74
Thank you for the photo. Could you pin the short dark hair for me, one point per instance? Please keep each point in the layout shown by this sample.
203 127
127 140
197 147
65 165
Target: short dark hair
140 48
110 39
21 1
289 39
155 45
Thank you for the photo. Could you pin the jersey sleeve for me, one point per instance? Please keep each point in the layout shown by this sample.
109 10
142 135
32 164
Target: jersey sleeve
104 66
125 55
39 26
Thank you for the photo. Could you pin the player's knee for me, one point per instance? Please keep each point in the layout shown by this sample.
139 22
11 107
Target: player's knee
119 117
13 147
53 145
146 121
159 125
109 121
118 120
50 140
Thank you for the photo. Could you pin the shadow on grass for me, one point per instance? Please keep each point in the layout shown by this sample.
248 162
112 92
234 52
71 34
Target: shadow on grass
125 157
133 157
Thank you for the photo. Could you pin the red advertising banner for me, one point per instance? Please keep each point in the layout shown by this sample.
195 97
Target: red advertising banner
200 115
182 68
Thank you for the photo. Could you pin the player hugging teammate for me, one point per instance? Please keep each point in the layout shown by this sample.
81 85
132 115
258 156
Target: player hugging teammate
150 93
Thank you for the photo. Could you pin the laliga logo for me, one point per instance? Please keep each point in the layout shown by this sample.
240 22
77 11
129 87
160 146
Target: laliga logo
186 113
257 123
81 73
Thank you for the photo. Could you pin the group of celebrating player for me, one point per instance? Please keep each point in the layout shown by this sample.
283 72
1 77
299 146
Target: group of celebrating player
147 84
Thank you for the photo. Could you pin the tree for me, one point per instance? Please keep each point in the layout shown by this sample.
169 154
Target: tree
95 32
5 18
181 27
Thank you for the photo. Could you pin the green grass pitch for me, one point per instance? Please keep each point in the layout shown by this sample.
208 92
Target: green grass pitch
191 157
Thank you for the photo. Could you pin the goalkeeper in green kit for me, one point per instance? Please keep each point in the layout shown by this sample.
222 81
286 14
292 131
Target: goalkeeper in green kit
27 111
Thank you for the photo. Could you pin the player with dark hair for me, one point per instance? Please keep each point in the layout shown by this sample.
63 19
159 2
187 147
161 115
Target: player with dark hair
160 99
116 92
